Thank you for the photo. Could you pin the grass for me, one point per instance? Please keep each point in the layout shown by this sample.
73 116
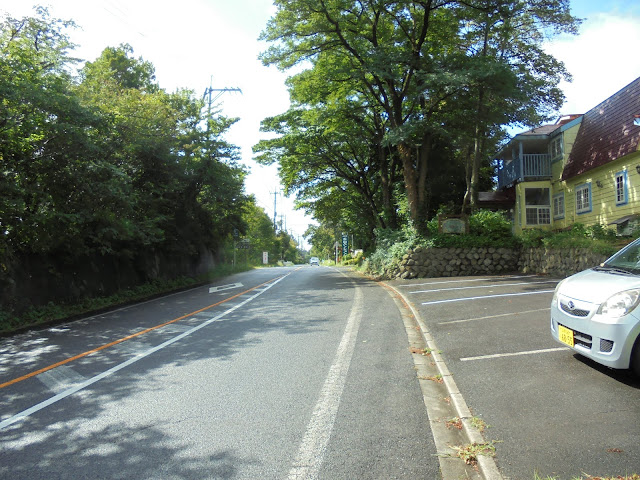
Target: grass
56 312
479 424
470 453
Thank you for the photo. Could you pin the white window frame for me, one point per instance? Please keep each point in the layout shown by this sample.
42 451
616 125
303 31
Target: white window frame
538 214
558 206
621 187
583 198
555 148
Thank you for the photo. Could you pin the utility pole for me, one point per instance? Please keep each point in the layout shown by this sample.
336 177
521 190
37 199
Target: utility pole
220 91
275 202
210 100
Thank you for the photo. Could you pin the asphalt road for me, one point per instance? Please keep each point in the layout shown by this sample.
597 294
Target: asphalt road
550 412
276 373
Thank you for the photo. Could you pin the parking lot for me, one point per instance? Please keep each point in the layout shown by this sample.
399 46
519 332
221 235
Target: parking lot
550 412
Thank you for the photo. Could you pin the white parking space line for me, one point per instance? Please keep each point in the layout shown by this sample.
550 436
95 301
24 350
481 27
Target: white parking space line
451 300
495 285
515 354
513 314
462 281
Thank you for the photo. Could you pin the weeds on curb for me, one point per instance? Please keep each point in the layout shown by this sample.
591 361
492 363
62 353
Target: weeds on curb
455 422
470 453
479 424
434 378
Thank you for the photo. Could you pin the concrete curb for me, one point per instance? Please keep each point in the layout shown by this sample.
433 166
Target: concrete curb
486 465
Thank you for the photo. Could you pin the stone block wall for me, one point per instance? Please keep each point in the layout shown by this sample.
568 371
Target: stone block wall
561 263
455 262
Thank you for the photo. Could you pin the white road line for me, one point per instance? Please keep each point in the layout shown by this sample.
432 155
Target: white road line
513 314
76 388
314 444
435 302
515 354
221 288
460 281
495 285
60 378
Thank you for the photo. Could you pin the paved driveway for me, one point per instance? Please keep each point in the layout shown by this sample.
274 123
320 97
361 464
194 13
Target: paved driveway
550 411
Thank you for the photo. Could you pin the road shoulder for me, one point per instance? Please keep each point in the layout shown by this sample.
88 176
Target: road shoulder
449 415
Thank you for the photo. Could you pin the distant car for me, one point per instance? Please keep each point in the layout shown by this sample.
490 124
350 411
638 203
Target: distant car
314 261
595 311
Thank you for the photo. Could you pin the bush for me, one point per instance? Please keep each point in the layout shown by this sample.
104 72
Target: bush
351 260
486 229
598 238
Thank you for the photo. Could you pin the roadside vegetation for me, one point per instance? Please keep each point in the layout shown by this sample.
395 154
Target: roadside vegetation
109 183
486 229
55 312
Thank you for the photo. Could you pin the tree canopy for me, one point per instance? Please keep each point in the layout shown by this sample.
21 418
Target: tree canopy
100 160
394 99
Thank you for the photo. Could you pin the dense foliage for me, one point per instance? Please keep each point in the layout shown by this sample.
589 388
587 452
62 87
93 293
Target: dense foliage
97 161
397 105
108 162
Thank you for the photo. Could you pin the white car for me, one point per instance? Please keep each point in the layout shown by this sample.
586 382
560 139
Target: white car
314 261
595 311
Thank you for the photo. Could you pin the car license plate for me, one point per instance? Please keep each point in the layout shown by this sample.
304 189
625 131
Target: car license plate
565 335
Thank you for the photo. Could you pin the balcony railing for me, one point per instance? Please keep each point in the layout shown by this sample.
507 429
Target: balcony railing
526 167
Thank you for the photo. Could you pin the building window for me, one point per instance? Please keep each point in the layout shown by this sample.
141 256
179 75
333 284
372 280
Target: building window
583 198
621 188
537 206
558 206
555 148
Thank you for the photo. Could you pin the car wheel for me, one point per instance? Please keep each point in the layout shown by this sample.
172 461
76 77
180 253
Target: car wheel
635 358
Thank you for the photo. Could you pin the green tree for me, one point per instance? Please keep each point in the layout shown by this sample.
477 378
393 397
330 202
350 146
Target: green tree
322 240
387 47
418 63
45 134
511 78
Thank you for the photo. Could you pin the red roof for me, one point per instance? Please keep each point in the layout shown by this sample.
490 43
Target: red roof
607 132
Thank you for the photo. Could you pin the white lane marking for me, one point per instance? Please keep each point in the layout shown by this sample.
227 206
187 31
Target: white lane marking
314 444
76 388
60 378
515 354
481 286
460 281
221 288
514 314
486 296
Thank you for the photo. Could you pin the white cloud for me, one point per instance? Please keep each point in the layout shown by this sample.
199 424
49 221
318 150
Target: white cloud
602 59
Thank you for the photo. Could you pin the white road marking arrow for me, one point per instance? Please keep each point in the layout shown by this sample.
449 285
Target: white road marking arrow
220 288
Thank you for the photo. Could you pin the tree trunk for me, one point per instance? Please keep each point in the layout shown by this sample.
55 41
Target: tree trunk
385 180
410 180
423 162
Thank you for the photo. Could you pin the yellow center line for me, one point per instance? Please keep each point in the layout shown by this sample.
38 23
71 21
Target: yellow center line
128 337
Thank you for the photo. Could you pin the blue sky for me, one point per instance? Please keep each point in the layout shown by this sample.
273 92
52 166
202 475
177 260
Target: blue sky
194 42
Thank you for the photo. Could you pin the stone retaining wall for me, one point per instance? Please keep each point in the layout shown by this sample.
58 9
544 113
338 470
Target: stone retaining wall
455 262
560 263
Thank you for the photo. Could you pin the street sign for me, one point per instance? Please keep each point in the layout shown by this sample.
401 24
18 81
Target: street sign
265 258
345 244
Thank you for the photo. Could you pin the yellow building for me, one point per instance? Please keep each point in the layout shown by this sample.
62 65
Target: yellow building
583 169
